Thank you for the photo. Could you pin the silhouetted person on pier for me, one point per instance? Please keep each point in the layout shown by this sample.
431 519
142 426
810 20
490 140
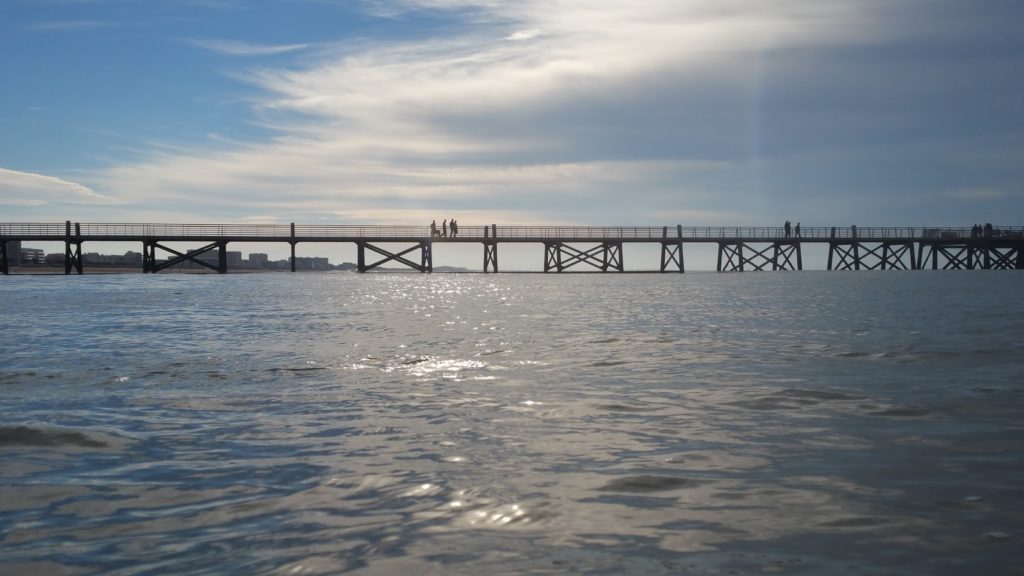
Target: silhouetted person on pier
786 228
988 230
433 228
455 228
444 229
797 230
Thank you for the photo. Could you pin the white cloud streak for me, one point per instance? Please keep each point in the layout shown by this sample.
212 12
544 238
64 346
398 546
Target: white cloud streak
523 34
31 189
237 48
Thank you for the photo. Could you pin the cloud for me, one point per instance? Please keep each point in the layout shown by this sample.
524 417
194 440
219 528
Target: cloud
236 48
637 109
523 34
30 189
475 122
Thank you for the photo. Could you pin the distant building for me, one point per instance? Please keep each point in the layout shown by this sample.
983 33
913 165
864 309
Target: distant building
18 255
129 258
133 258
258 260
32 256
312 263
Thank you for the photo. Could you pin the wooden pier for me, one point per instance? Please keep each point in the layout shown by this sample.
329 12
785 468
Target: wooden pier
596 248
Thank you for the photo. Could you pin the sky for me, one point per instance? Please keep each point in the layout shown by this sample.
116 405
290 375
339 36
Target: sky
604 112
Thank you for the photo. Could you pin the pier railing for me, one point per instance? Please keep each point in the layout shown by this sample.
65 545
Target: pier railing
255 232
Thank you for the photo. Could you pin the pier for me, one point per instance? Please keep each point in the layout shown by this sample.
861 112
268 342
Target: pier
593 248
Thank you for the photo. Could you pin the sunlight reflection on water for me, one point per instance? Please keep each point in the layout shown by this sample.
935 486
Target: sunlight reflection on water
390 424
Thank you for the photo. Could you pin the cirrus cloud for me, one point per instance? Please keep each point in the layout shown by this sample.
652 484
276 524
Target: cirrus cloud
31 189
237 48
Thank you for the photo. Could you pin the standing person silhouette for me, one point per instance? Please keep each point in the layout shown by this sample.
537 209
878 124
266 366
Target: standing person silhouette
797 230
433 228
786 228
444 229
455 228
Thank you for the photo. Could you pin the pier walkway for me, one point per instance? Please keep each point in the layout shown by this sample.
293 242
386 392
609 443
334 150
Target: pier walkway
596 248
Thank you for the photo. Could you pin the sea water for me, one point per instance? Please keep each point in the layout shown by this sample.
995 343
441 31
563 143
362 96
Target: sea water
749 423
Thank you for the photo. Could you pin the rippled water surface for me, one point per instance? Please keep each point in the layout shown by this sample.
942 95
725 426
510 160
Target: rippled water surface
796 423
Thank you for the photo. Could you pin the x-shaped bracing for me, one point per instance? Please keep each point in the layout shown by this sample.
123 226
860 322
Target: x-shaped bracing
996 259
425 264
758 260
957 258
885 256
149 257
611 256
848 256
490 256
671 255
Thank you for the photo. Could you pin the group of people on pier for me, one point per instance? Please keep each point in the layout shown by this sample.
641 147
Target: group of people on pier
788 229
986 231
445 227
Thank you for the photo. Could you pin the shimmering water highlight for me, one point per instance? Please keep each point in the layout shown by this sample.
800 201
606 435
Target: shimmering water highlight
846 423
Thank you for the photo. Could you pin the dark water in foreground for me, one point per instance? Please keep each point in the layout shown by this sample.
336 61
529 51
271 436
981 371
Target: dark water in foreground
794 423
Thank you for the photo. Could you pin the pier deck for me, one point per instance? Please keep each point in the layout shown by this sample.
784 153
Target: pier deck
594 247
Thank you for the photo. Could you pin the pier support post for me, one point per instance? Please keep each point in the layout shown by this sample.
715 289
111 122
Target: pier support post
672 250
490 256
552 256
148 256
293 243
490 248
72 256
612 257
426 256
222 257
